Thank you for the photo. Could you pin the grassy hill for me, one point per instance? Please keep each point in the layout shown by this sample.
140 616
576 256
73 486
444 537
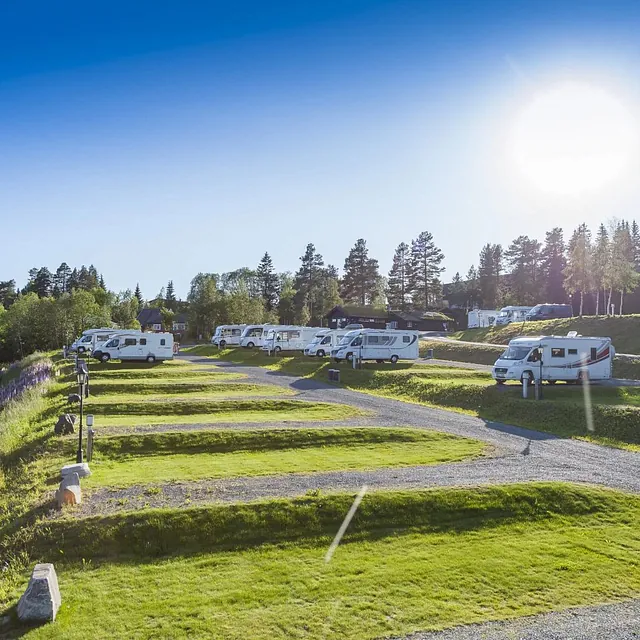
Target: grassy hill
624 331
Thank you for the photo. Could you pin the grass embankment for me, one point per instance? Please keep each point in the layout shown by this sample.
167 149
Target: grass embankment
616 411
624 331
409 561
155 458
155 390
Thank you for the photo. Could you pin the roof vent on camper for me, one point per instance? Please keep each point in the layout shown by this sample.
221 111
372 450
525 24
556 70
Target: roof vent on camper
572 334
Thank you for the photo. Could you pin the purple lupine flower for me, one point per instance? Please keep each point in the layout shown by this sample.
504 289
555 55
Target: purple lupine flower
29 377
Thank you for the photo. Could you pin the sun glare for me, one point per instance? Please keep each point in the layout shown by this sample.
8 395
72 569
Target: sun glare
573 138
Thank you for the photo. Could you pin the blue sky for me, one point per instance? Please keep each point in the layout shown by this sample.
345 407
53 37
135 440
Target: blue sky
157 140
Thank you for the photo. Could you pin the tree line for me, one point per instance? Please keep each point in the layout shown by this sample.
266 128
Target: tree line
527 272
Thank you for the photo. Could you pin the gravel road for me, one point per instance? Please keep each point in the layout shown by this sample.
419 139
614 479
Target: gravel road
603 622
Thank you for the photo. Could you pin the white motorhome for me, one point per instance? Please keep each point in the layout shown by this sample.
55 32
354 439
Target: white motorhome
323 342
511 314
227 334
254 335
289 338
378 344
89 338
571 358
481 318
128 345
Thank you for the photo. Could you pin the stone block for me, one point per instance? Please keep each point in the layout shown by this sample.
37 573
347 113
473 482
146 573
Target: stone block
81 468
65 425
71 494
41 600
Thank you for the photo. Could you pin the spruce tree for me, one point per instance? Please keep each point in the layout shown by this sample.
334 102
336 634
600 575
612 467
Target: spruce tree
524 259
600 265
424 281
399 276
578 272
138 295
268 282
308 282
360 275
553 265
61 279
170 296
489 269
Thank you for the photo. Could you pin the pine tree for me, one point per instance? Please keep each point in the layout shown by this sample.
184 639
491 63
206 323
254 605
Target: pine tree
472 288
268 282
61 279
8 293
360 275
399 278
40 282
553 265
635 243
578 272
489 270
600 265
308 281
523 257
424 281
73 281
138 295
623 276
101 283
170 297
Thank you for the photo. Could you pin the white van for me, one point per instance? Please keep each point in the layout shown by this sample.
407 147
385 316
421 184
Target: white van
289 338
254 335
323 342
378 344
87 341
227 334
511 314
480 318
572 358
151 347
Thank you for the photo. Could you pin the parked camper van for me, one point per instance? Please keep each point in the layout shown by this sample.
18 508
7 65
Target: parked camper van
289 338
227 334
377 344
324 341
151 347
550 312
508 315
90 338
572 358
254 335
481 318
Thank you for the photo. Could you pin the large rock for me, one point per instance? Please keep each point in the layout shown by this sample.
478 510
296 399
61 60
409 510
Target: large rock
65 425
41 601
81 468
69 491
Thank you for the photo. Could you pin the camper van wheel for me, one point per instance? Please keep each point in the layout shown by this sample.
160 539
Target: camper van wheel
223 343
551 381
529 376
105 357
393 359
151 358
349 357
500 382
81 349
250 345
320 353
277 350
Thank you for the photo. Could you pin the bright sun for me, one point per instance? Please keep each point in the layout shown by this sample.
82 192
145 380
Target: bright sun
573 138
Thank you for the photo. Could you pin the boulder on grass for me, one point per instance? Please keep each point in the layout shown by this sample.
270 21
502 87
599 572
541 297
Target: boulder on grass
65 425
69 491
41 600
81 468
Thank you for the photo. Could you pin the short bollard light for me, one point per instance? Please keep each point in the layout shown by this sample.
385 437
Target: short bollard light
82 374
90 436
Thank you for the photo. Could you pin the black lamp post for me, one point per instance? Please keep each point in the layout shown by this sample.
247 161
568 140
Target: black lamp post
82 375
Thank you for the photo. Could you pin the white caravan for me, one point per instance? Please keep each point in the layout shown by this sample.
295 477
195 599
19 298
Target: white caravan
572 358
378 344
89 338
136 345
511 314
323 342
227 334
480 318
289 338
254 335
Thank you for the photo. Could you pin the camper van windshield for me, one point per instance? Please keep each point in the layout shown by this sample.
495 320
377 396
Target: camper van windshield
515 353
504 314
86 339
346 339
112 343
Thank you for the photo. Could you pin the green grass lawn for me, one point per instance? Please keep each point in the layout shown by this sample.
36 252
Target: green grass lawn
453 557
269 452
132 391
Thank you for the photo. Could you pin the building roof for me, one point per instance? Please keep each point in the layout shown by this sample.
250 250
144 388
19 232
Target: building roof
352 311
152 315
417 316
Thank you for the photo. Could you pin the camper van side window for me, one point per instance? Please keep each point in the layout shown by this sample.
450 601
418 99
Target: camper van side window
163 342
557 353
129 342
372 339
406 339
573 352
594 353
143 341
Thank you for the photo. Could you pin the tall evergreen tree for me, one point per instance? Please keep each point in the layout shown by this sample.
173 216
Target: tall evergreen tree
489 270
425 284
472 288
170 297
398 292
101 283
578 272
523 257
268 282
74 280
635 243
61 279
8 293
360 275
308 282
600 266
553 265
138 295
624 277
40 282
